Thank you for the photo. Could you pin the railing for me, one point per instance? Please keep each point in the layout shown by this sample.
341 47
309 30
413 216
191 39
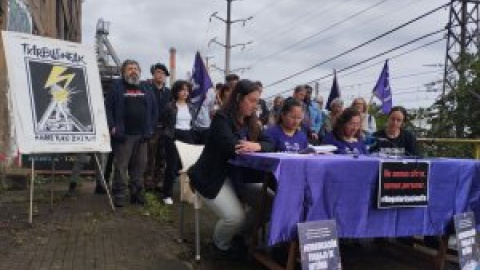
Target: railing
434 141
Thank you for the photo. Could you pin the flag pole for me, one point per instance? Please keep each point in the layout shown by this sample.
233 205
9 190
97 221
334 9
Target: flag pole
370 102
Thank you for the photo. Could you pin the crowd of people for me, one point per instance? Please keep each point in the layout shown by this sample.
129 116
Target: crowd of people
145 118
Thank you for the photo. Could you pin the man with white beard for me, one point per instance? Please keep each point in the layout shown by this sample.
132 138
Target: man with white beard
131 115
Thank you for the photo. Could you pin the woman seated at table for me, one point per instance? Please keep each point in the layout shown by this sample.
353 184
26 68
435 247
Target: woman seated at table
286 135
394 139
234 130
346 133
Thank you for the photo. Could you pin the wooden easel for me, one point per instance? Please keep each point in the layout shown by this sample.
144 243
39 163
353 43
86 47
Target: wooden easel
32 184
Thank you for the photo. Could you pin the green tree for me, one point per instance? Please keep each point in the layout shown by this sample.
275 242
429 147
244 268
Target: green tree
457 114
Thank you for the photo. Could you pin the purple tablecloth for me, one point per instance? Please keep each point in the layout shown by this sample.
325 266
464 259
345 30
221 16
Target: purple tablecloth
344 188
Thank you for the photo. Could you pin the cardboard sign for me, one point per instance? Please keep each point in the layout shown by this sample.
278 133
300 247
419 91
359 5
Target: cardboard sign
319 245
468 252
55 95
403 184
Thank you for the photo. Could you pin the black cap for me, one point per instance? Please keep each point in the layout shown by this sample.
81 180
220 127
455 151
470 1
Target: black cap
159 66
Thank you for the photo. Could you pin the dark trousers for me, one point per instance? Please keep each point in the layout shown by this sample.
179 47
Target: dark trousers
173 159
155 172
130 161
200 135
83 159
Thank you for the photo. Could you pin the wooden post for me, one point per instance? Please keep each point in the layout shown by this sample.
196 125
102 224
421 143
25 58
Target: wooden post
476 153
4 117
35 11
50 18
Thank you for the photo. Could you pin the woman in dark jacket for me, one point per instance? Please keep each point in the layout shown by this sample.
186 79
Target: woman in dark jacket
234 130
177 123
394 140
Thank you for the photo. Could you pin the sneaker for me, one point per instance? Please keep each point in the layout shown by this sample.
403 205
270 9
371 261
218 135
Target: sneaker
232 254
168 201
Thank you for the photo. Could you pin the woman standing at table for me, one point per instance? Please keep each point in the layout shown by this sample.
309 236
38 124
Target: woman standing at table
286 135
346 133
394 139
234 130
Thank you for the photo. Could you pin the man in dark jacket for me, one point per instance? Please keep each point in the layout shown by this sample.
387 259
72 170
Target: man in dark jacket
131 115
155 172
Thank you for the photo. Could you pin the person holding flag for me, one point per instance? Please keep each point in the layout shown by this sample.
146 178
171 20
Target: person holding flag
203 99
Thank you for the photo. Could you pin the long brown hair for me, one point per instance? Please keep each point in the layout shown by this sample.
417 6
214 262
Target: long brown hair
342 120
231 108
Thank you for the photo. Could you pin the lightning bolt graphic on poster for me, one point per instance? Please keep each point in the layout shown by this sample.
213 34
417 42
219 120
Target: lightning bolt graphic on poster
56 99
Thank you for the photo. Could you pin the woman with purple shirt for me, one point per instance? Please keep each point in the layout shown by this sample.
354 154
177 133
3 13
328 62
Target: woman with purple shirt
346 133
287 135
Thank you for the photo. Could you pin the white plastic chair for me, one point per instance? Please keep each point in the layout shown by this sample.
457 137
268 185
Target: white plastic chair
189 154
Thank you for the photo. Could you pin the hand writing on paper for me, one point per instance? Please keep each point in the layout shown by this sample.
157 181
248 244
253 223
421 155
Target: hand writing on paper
246 146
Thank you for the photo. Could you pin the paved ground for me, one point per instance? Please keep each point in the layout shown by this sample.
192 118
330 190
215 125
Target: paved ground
83 233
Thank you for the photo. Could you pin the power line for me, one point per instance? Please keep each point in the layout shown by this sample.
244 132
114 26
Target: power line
397 10
382 53
396 56
359 46
410 75
399 77
267 6
328 28
372 57
293 23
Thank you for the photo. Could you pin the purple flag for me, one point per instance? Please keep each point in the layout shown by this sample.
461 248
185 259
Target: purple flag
201 80
334 92
382 90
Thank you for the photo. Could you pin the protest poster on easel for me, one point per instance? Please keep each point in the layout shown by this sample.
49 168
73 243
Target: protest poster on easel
55 97
319 245
467 244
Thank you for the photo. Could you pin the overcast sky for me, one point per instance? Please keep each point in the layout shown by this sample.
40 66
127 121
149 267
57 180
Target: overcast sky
145 30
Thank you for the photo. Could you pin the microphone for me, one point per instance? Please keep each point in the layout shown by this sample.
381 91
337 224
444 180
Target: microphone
396 148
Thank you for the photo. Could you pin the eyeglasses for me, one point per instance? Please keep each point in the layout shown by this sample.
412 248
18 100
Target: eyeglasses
294 118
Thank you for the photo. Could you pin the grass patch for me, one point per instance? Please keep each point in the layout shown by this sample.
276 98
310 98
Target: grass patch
154 208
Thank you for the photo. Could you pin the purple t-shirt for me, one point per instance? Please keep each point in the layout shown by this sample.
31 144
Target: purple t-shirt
345 147
284 143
